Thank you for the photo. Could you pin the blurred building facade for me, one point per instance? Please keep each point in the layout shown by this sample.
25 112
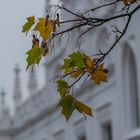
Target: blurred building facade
116 104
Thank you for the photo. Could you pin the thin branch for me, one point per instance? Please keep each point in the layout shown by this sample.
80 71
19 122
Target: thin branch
69 11
102 6
89 23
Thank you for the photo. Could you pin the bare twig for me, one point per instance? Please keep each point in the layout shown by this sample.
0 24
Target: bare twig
90 23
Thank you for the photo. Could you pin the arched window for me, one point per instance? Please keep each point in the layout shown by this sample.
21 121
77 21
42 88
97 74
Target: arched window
131 87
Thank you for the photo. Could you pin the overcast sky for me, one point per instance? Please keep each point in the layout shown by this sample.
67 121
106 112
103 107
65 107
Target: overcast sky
14 44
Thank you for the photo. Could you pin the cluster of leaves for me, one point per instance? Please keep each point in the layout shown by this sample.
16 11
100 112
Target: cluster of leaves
69 103
45 27
75 67
77 64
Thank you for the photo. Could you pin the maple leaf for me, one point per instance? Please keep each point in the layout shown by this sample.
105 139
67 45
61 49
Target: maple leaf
67 65
126 2
67 106
27 26
34 56
70 104
99 75
62 87
83 108
76 72
45 28
75 60
90 64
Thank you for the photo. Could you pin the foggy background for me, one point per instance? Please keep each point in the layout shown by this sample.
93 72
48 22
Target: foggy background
14 44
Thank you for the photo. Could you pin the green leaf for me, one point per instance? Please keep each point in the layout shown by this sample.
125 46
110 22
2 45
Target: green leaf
67 65
77 60
70 104
34 56
27 26
67 106
62 87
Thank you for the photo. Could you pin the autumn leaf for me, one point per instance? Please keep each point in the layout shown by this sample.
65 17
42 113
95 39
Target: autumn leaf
62 87
82 108
45 28
40 24
70 104
99 75
75 60
126 2
67 106
34 56
90 64
66 66
76 72
27 26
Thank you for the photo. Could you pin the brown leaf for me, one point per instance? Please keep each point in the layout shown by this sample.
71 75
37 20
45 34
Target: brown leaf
76 72
90 64
99 75
126 2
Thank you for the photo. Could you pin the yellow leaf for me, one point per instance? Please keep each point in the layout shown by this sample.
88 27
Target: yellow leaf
76 72
99 75
82 108
89 63
40 24
46 28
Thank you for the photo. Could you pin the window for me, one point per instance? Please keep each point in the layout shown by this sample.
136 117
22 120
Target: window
105 121
131 87
82 137
80 130
107 131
